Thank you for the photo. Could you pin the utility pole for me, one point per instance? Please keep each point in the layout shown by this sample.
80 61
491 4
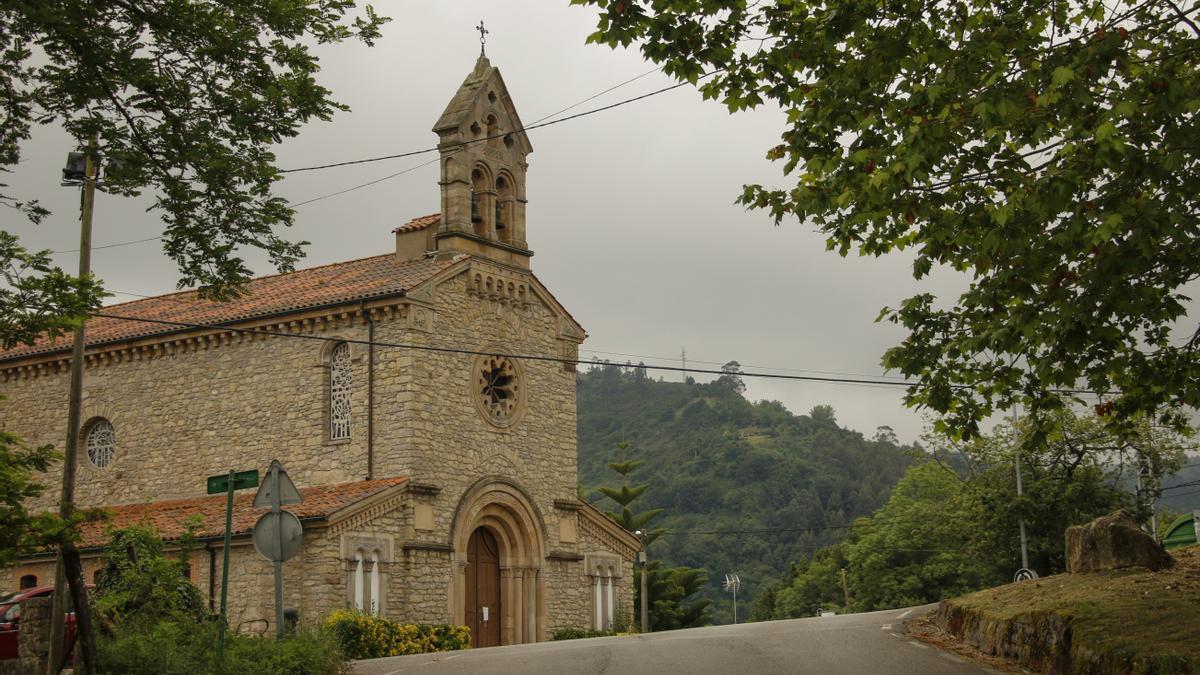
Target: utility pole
641 564
1020 490
683 360
1143 471
845 589
69 573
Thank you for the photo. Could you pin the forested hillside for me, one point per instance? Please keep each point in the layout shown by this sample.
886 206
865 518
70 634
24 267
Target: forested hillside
745 487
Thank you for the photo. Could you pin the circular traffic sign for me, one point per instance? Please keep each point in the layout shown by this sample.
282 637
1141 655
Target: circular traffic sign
277 536
1025 574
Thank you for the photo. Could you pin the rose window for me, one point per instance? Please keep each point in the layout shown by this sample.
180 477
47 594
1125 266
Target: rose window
498 386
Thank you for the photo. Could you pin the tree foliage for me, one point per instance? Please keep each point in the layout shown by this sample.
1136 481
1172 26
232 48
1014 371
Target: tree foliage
951 524
139 586
624 495
1045 148
189 96
20 465
670 589
37 298
778 485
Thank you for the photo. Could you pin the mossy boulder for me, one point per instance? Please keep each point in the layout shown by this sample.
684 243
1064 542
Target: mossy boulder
1113 542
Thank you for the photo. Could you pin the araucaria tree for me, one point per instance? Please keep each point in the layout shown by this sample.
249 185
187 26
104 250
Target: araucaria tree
670 589
1045 148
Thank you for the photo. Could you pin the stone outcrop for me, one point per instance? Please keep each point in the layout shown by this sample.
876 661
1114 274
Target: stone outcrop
1113 542
1038 640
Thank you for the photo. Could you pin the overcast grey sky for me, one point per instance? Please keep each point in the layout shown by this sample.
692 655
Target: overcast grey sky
631 214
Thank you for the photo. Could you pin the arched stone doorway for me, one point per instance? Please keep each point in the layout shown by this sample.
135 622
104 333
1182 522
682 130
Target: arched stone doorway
497 515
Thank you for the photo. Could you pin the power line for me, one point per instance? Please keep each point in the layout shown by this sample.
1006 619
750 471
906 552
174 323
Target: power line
123 243
367 184
534 125
867 522
526 357
475 352
744 365
598 95
192 303
1182 485
523 129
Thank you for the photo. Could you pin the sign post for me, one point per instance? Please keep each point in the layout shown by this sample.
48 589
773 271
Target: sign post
277 535
228 483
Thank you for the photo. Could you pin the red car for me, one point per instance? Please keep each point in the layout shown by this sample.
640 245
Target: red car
10 618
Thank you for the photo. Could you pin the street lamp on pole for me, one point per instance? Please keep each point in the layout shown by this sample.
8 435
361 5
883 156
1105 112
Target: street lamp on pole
82 169
641 565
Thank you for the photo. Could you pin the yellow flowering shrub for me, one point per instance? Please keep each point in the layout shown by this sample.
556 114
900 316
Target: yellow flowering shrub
363 636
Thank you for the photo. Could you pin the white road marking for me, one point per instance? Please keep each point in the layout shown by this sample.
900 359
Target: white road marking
952 657
918 645
896 635
886 626
905 613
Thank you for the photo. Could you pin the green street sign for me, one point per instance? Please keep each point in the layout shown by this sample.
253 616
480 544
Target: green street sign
241 481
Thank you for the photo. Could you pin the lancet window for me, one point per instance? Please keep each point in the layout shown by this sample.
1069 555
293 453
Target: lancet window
340 381
366 589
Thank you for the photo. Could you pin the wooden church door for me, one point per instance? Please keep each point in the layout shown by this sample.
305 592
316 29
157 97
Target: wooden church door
483 588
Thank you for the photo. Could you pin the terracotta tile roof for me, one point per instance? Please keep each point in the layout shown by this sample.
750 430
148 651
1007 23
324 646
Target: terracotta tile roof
168 516
419 223
377 276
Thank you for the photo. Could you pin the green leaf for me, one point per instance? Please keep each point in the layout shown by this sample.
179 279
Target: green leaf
1061 76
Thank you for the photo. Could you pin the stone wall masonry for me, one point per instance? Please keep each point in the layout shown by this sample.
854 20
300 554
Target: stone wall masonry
433 430
427 575
570 603
594 540
194 412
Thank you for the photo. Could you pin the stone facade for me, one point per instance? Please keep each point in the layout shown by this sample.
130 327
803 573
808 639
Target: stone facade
192 404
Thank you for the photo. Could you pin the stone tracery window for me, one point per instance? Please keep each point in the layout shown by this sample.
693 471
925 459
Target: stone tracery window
498 390
340 381
101 442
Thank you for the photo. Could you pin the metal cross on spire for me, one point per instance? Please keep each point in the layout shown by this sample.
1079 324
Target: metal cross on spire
482 36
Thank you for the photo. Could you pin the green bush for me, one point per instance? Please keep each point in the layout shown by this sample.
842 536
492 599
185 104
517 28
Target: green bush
578 633
363 636
154 620
179 647
140 587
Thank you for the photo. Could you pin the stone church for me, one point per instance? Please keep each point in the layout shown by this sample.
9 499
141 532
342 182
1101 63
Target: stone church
435 457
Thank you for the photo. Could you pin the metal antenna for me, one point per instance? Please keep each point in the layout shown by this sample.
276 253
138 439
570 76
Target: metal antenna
482 36
732 584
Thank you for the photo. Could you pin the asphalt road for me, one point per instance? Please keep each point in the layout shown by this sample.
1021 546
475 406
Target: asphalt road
854 643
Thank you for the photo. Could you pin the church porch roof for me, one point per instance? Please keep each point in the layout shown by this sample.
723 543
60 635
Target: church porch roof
169 517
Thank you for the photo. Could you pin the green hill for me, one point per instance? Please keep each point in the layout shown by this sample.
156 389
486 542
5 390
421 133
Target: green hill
745 487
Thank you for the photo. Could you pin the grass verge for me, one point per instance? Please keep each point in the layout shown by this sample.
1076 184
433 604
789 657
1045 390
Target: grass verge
1129 620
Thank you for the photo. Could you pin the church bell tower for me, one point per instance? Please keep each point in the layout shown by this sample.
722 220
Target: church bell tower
483 153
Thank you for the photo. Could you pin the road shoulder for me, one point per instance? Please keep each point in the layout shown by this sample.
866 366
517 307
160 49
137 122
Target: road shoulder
923 628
